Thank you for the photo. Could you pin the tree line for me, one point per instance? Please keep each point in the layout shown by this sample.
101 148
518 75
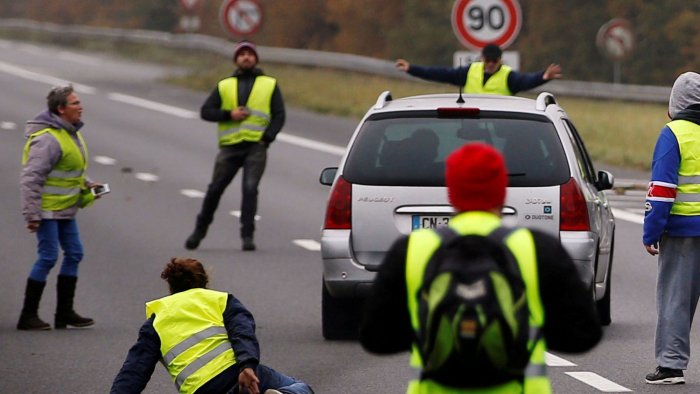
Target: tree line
667 33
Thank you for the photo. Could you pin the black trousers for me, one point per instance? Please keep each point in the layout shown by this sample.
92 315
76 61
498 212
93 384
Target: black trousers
252 157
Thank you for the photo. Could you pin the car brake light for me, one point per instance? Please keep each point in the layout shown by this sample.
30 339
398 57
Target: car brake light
574 211
461 112
339 209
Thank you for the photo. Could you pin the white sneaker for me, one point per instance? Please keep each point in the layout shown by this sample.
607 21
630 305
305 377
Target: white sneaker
272 391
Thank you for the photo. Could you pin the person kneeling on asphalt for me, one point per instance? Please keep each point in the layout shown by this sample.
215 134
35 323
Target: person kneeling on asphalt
204 338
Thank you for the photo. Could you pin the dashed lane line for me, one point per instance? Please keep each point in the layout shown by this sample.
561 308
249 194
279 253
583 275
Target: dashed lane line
105 160
308 244
599 382
628 216
47 79
153 105
192 193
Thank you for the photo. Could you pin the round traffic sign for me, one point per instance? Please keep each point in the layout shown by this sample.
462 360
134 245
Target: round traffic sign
480 22
241 17
616 39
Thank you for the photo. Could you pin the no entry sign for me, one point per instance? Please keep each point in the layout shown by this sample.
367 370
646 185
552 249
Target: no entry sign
477 23
241 17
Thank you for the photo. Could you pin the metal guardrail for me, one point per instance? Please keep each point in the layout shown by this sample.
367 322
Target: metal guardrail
304 57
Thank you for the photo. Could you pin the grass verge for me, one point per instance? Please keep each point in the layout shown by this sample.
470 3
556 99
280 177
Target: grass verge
618 133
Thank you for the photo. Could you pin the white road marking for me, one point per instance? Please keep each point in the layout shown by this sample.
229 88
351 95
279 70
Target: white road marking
311 144
628 216
8 125
72 56
146 177
153 105
105 160
556 361
192 193
599 382
308 244
32 76
238 214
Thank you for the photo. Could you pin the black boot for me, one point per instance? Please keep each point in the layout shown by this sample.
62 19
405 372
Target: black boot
65 315
29 318
195 238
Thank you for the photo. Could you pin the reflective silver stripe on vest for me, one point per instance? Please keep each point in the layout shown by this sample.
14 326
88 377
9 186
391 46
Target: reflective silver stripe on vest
234 130
63 191
260 114
685 180
535 370
688 197
65 174
200 362
191 341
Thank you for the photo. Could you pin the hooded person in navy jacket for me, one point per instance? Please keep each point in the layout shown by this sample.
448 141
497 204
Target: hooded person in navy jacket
672 229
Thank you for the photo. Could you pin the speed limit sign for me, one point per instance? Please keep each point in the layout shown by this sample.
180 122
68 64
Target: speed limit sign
480 22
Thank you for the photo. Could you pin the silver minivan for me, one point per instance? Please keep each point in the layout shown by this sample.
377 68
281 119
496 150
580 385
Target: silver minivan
390 181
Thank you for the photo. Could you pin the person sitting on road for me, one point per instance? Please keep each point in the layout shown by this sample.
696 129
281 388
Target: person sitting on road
204 338
489 76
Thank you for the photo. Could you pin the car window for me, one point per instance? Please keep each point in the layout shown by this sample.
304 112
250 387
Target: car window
409 149
584 161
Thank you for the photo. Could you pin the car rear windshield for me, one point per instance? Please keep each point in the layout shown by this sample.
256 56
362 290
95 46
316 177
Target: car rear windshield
409 149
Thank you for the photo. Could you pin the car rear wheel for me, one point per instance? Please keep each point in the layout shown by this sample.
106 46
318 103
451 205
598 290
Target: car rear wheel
340 318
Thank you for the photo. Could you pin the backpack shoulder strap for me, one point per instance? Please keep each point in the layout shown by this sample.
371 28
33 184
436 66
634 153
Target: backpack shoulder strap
501 233
447 234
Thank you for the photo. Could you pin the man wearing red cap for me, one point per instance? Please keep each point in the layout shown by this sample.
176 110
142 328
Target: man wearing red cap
476 180
249 110
488 76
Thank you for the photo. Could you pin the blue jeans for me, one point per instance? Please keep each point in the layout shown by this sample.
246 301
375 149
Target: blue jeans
252 157
51 234
271 379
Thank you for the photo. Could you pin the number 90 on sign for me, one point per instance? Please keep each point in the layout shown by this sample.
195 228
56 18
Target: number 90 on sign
477 23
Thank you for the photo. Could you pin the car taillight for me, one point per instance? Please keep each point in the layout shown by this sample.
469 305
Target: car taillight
574 211
339 209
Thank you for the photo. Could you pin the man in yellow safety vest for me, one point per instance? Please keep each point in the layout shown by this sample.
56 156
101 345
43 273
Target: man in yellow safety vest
249 110
560 306
488 76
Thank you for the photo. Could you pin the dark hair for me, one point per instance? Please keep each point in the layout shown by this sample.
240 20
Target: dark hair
58 97
183 274
491 52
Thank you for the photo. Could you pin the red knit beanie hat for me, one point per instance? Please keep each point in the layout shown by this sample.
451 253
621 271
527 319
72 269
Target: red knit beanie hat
476 178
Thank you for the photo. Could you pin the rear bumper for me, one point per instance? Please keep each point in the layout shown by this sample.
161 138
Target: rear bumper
345 278
582 247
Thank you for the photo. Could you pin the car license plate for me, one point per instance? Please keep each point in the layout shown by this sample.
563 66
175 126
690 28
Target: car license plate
429 221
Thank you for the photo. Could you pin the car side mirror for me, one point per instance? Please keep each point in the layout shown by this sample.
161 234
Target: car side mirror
328 176
605 181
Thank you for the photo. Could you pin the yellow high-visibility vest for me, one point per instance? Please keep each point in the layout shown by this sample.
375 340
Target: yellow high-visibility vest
687 201
421 246
253 127
65 184
194 343
496 84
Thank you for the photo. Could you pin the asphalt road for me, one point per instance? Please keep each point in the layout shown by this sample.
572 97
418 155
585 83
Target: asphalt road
147 142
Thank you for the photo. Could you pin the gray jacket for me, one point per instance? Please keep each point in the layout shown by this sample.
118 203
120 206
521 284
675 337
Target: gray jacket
44 154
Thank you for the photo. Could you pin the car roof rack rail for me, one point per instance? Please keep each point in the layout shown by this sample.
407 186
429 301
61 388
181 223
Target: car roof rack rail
543 100
383 99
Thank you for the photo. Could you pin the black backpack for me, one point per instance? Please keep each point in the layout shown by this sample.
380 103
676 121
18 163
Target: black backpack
474 318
